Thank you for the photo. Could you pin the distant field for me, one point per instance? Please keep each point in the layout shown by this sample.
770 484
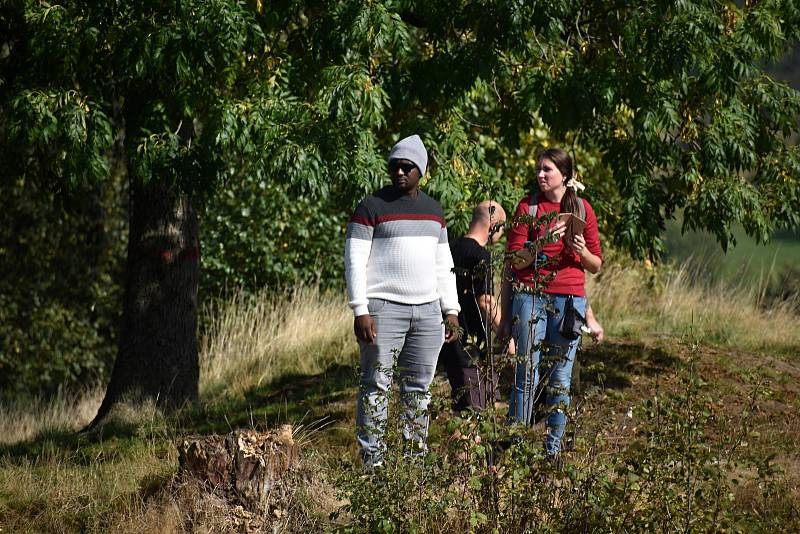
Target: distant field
747 262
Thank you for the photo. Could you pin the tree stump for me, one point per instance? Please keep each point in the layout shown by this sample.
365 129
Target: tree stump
245 466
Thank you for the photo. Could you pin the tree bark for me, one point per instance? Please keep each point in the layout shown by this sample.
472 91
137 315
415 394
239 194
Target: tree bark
246 466
157 357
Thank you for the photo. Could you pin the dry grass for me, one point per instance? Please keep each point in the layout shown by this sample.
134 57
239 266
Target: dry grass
23 421
635 301
253 340
250 341
58 489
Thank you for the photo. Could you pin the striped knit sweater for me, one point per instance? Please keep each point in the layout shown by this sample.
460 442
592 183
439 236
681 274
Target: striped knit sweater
396 249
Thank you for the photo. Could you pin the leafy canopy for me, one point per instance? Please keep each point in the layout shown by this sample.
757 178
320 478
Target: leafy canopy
665 105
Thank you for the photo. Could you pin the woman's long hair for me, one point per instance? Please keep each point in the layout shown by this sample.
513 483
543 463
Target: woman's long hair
562 161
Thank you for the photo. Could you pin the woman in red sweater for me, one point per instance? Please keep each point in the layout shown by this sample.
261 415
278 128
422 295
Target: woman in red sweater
545 356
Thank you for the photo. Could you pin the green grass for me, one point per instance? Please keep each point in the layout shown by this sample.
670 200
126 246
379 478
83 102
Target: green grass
745 262
60 482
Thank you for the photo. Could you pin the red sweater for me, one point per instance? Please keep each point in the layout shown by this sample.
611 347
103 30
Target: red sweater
570 277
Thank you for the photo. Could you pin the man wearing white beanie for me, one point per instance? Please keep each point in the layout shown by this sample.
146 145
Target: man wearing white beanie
400 283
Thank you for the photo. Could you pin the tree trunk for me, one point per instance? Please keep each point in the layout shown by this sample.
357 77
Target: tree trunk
157 357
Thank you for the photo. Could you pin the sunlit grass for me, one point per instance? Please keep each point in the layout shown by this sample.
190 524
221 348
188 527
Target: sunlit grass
635 301
252 340
62 482
24 420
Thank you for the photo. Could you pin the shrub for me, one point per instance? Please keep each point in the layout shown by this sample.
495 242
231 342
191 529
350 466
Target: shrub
257 234
677 472
60 268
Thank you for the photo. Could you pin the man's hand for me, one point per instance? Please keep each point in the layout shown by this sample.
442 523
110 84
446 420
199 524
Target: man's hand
504 330
451 328
364 327
504 336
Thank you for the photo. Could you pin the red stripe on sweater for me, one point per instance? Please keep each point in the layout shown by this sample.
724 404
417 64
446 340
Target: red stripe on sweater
360 220
409 217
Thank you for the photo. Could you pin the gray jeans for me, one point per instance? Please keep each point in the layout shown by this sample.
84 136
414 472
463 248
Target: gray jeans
414 334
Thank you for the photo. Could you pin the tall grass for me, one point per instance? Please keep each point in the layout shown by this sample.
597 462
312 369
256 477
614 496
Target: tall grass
636 301
119 484
24 420
89 489
61 483
252 340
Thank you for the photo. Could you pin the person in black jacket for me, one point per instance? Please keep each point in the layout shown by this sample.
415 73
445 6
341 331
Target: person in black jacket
463 358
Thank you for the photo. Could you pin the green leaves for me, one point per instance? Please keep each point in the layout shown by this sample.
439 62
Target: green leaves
258 234
66 134
656 101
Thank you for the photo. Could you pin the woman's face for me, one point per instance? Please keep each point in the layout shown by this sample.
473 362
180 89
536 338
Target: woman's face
548 176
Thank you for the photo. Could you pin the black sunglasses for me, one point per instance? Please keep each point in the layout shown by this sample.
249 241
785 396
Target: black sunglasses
406 167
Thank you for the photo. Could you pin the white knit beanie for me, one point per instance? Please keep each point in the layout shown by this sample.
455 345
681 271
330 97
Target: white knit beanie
412 149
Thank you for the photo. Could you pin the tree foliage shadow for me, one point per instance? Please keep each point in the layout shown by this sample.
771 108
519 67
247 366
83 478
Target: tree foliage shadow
81 448
62 440
293 398
612 365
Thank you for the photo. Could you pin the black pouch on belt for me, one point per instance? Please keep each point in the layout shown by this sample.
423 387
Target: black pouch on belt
571 321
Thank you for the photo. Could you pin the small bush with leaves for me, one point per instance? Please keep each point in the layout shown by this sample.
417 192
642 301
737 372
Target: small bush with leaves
675 473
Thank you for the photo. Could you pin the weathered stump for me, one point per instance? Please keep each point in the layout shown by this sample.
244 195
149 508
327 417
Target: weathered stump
244 467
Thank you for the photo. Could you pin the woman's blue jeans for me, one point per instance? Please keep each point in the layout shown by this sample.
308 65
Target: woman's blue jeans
544 365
